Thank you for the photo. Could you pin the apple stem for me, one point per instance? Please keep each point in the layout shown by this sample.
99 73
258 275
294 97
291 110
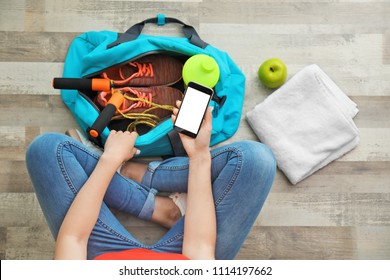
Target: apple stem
272 69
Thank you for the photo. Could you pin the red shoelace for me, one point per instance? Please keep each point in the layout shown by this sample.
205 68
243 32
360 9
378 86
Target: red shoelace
144 70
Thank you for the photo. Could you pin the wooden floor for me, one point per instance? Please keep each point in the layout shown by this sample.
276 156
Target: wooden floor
341 212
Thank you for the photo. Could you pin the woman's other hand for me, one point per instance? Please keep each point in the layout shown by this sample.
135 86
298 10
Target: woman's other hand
119 146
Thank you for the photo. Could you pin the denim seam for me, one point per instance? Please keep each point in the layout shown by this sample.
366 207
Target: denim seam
61 162
170 240
161 166
120 236
62 167
181 167
235 174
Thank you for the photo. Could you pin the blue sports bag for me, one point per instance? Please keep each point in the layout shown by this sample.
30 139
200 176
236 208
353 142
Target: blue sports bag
93 52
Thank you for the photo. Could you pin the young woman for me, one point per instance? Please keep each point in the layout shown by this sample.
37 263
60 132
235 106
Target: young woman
226 188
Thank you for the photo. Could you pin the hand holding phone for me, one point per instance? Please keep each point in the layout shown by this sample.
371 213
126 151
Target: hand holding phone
193 108
200 145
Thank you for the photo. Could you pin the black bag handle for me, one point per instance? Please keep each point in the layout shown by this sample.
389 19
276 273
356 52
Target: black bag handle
176 144
133 32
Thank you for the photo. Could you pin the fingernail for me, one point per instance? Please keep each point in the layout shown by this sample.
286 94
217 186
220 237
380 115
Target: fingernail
138 152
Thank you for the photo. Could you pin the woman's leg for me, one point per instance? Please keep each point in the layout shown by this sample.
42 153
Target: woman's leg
242 175
59 167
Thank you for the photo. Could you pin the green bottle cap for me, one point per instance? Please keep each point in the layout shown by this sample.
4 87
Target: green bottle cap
201 69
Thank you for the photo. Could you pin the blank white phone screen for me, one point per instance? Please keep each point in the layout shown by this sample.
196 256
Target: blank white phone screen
192 110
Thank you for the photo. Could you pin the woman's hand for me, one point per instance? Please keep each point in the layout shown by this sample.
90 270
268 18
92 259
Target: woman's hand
200 145
119 146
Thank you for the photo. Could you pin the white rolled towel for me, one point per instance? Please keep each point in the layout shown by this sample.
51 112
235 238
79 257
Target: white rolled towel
308 123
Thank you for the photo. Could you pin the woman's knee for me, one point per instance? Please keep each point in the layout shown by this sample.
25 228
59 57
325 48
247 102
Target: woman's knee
256 153
44 145
257 161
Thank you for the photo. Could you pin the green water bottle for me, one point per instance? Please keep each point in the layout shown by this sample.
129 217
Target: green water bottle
201 69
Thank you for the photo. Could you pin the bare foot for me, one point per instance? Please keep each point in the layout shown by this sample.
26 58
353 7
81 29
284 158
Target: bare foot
166 213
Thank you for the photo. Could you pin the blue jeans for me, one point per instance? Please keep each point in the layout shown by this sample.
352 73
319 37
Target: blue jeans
242 175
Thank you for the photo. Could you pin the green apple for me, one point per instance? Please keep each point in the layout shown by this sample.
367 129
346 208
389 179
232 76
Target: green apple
273 73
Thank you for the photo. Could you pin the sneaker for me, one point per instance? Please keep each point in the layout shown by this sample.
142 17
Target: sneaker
146 103
150 70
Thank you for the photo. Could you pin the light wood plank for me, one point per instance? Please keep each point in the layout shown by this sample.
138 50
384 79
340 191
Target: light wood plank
12 15
34 46
11 136
28 78
3 242
82 16
14 177
386 48
287 28
37 101
326 209
373 243
13 153
289 1
341 177
31 133
34 15
358 14
299 243
374 146
373 111
33 117
34 243
20 210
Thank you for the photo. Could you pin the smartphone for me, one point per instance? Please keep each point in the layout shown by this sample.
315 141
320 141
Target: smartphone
193 108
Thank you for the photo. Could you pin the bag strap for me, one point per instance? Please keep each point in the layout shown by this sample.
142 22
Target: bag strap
133 32
177 145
